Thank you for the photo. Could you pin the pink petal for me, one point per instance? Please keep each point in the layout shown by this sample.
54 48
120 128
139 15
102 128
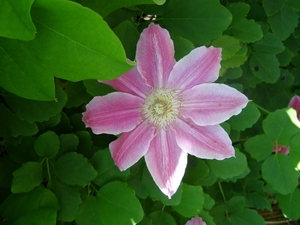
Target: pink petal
166 161
196 221
210 104
201 65
113 114
131 146
295 104
209 142
155 55
130 82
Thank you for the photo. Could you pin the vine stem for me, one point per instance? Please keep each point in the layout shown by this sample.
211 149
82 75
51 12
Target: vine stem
48 169
261 108
224 198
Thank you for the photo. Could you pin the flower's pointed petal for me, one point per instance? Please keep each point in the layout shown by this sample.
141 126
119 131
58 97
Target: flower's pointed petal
166 161
155 55
211 104
131 146
209 142
201 65
295 104
131 82
196 221
113 113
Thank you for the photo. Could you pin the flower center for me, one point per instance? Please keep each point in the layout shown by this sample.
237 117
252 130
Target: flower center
161 107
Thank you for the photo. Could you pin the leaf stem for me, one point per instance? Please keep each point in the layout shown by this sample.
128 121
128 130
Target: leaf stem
48 169
261 108
224 198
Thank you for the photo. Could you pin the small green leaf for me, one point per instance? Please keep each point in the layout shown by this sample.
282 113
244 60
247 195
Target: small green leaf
239 10
191 202
68 143
279 172
257 201
247 217
199 21
295 4
237 60
89 211
77 94
27 177
11 125
269 44
106 168
230 46
94 88
162 218
246 118
235 204
74 169
196 169
265 66
116 198
259 147
182 47
38 111
247 30
273 6
284 22
15 20
229 168
290 204
38 206
68 198
282 125
47 144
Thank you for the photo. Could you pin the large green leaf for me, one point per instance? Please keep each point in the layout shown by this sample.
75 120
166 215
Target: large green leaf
15 20
162 218
119 205
282 125
74 169
273 6
247 30
284 22
36 207
270 44
27 177
199 21
191 202
278 171
290 204
246 217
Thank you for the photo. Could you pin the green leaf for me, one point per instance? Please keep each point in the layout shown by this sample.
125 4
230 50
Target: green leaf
247 217
77 94
237 60
230 46
269 44
15 20
89 212
290 204
199 21
265 66
229 168
282 125
106 168
239 10
94 88
32 111
284 22
273 6
74 169
70 53
182 47
116 198
279 172
68 198
208 202
36 207
196 170
27 177
47 145
11 125
285 57
162 218
235 204
247 30
245 119
68 143
295 151
295 4
156 193
260 147
257 201
191 202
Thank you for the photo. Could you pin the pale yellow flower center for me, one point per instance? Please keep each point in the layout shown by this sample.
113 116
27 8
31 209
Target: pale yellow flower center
161 107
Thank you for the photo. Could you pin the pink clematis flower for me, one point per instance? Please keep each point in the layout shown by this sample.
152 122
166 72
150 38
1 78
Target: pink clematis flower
166 109
195 221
